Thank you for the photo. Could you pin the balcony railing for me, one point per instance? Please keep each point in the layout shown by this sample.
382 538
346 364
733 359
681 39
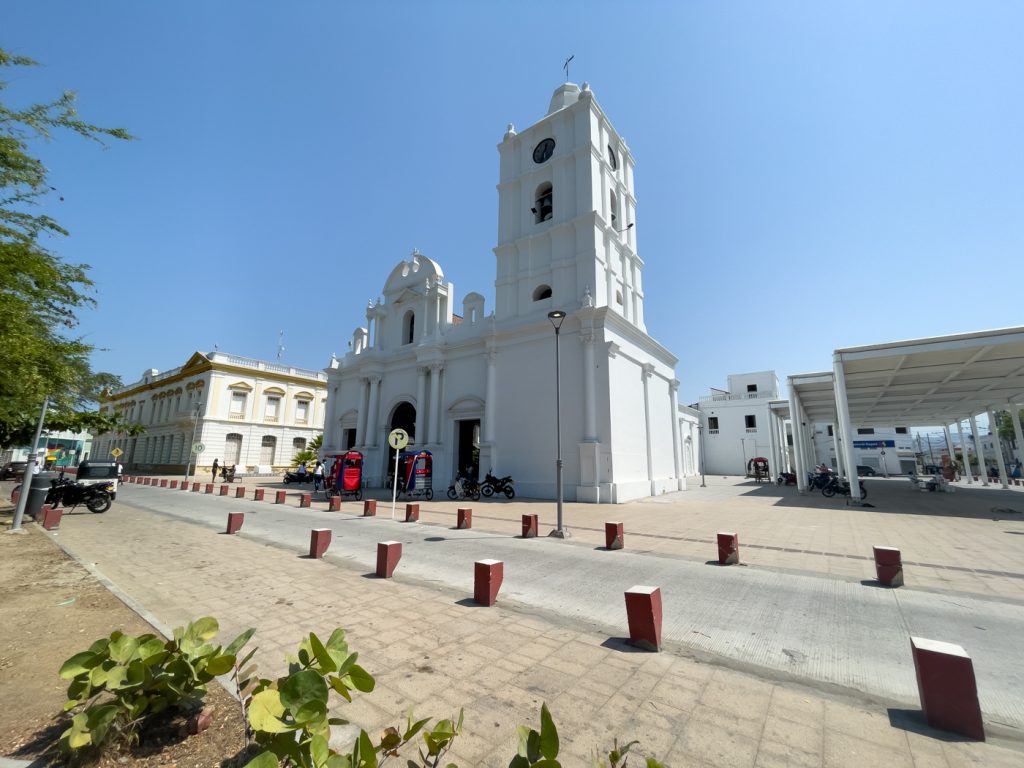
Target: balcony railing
725 396
712 431
751 430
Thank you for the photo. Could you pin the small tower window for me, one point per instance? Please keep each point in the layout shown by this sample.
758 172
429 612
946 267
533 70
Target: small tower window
614 208
618 297
542 292
408 327
612 160
544 207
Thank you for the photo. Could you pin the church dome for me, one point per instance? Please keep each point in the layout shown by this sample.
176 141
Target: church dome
565 95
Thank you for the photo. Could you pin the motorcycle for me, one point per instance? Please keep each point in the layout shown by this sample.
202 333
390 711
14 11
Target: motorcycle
842 487
818 480
786 478
67 493
493 485
464 488
297 477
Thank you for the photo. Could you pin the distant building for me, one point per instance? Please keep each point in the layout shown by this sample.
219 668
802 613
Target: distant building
886 450
54 450
743 422
250 413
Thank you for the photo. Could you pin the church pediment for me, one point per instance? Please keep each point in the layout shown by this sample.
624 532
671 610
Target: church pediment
408 296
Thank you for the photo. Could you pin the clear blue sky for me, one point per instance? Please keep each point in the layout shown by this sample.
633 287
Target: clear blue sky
810 175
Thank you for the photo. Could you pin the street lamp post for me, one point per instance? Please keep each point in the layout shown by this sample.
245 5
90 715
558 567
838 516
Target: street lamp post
557 317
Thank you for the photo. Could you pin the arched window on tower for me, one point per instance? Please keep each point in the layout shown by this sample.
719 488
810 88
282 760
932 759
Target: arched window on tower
408 327
542 292
614 208
544 206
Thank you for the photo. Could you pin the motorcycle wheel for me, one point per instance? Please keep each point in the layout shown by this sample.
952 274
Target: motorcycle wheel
430 494
487 490
863 492
451 492
98 503
475 494
828 491
359 495
510 493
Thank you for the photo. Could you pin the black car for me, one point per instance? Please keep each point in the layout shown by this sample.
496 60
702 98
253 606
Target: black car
865 471
932 469
13 470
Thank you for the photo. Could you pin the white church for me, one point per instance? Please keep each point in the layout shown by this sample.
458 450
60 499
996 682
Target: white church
478 389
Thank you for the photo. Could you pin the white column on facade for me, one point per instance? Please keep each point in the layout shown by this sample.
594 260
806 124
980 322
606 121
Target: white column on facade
371 411
843 410
421 405
978 450
993 427
590 388
963 453
673 404
1018 436
646 372
949 444
794 414
838 449
364 400
435 401
773 466
491 402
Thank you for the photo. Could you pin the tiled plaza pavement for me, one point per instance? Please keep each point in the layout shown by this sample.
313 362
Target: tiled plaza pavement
431 650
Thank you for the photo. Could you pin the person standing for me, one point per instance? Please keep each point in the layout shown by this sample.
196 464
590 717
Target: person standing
216 464
318 475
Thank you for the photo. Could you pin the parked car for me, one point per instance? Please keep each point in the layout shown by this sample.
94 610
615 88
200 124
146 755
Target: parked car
865 471
13 470
932 469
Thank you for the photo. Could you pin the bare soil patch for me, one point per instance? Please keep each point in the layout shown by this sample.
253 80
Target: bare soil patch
52 608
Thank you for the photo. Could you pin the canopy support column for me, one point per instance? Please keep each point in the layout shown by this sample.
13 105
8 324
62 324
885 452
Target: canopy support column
979 450
963 453
794 416
843 410
993 427
1018 436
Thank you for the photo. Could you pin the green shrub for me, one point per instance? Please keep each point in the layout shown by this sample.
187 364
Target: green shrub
121 681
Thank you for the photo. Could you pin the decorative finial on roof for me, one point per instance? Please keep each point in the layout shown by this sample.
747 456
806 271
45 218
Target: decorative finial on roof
416 253
588 300
510 131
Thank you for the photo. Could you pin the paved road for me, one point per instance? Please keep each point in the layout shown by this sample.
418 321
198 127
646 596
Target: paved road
815 628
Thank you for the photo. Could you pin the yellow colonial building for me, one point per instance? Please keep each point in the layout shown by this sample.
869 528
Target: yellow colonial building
245 412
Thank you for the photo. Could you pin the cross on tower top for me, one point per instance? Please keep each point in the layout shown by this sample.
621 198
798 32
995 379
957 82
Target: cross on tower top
566 67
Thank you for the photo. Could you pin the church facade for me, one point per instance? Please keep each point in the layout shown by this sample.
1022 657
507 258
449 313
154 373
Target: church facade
477 389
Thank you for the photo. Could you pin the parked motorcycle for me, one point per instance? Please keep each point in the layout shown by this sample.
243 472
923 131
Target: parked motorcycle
67 493
464 488
841 487
818 480
296 477
786 478
493 485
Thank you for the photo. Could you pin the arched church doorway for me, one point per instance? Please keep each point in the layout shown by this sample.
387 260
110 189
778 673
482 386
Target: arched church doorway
402 417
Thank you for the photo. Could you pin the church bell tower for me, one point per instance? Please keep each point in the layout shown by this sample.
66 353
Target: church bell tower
566 215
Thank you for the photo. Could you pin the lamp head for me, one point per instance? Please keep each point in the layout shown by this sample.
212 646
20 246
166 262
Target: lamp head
557 317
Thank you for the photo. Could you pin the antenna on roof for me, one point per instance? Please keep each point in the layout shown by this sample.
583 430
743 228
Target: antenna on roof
566 67
280 344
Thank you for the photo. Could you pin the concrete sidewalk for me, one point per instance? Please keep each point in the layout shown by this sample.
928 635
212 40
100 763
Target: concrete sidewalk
431 650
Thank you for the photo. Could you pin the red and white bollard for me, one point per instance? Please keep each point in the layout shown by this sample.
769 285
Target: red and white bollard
643 612
319 541
388 555
487 578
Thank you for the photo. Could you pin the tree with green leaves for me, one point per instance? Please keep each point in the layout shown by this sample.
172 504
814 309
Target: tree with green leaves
40 294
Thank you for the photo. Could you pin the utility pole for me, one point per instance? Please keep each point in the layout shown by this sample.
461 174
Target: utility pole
30 472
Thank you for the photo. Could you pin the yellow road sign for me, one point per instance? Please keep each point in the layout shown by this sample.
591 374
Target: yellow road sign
398 439
117 453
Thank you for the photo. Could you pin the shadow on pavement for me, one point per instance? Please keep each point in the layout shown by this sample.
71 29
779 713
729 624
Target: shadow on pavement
913 720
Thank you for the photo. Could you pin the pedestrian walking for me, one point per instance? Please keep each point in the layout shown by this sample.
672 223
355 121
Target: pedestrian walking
216 464
318 475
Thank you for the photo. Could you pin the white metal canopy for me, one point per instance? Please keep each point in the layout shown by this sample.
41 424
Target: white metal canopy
920 382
